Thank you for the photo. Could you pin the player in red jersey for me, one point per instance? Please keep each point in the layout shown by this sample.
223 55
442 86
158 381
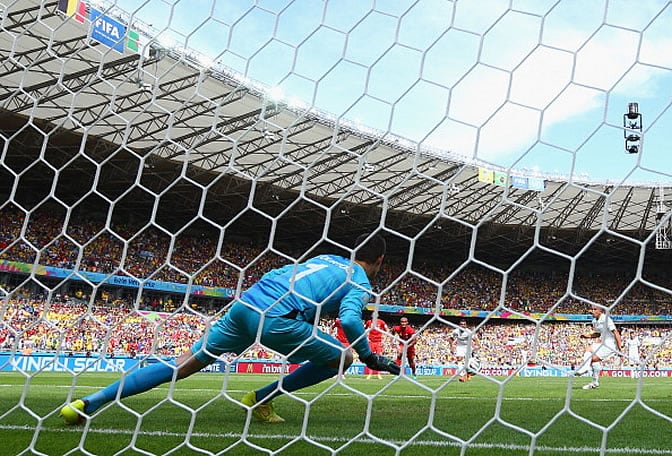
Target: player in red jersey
340 334
406 333
377 327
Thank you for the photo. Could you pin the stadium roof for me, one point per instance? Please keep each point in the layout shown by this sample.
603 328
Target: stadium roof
181 124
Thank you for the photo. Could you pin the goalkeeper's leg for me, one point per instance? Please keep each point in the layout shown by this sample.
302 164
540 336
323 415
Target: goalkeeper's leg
307 375
323 352
230 334
138 382
260 402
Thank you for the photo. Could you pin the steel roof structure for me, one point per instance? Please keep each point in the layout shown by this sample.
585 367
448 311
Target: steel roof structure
133 128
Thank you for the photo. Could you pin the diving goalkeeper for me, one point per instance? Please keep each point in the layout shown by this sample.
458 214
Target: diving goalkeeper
285 303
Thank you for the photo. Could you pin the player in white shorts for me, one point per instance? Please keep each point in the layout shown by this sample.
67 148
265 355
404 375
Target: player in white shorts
633 343
463 338
610 344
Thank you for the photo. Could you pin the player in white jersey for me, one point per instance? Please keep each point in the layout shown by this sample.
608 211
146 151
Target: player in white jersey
463 338
633 343
609 345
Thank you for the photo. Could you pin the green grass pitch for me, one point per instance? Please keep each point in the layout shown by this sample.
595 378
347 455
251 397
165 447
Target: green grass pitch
486 416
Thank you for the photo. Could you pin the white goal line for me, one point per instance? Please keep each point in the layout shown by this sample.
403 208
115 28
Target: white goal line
428 443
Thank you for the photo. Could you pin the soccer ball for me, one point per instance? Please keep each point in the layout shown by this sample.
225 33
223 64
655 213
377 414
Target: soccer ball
474 366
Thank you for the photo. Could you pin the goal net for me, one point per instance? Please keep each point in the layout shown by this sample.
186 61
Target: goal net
159 157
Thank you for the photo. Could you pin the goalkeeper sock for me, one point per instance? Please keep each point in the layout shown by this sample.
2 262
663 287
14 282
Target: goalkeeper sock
597 368
307 375
138 382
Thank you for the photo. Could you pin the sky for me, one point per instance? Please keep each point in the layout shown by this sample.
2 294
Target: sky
536 85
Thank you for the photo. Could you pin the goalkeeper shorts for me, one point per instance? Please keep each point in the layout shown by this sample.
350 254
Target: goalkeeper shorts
237 331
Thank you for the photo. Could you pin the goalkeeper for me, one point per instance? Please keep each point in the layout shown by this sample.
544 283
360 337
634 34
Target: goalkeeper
281 309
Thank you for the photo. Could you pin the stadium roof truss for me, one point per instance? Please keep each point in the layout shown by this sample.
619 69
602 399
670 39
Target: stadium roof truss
186 122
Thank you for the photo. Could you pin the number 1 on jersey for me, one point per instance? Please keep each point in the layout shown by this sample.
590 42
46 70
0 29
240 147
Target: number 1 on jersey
310 268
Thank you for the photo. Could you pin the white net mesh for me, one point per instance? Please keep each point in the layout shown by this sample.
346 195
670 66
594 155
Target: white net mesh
159 157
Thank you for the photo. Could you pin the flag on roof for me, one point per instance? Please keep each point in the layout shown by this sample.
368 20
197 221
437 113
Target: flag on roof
73 8
486 175
501 179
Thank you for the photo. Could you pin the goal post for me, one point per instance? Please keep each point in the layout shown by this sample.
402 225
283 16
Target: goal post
158 158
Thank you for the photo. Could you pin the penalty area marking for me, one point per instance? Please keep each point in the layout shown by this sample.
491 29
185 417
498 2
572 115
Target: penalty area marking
393 396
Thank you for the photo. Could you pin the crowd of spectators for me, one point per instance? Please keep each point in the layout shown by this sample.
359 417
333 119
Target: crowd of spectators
115 324
75 327
117 329
146 252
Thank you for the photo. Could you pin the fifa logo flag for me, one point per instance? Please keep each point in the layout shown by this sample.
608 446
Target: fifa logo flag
73 8
486 175
104 29
107 30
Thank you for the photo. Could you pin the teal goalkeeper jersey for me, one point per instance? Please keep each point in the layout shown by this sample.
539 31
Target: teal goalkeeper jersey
329 282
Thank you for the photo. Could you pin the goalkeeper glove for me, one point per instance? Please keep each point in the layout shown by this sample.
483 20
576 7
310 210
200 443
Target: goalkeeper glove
381 363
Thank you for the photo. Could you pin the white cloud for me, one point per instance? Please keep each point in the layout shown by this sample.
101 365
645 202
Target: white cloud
541 77
513 128
476 97
606 57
